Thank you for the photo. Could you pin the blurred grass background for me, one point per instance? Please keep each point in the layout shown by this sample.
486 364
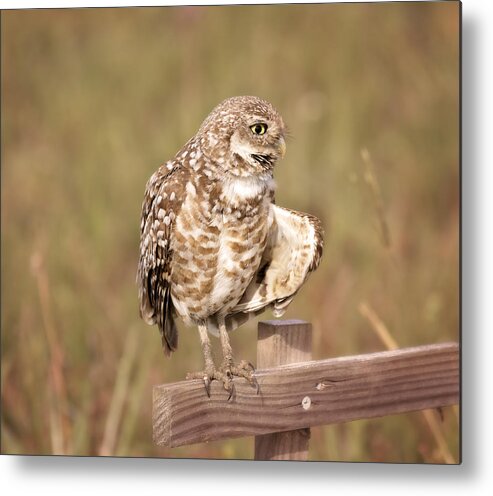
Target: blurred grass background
94 100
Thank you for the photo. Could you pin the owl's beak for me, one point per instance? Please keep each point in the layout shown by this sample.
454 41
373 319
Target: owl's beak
282 147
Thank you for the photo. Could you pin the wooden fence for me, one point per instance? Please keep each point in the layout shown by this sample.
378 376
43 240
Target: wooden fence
296 393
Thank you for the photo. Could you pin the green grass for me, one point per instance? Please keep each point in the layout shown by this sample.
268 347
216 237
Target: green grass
93 100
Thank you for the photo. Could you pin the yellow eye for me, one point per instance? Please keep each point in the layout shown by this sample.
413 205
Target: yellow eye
259 128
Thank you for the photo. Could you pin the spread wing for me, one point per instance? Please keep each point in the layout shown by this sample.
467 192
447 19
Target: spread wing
162 202
294 249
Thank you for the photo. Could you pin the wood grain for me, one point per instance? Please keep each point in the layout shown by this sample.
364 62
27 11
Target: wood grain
338 390
281 343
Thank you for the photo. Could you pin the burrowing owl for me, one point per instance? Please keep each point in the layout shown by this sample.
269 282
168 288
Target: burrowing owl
215 250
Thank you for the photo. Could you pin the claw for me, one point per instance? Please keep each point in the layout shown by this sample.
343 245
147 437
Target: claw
207 384
205 376
257 386
232 391
253 381
243 369
226 375
228 383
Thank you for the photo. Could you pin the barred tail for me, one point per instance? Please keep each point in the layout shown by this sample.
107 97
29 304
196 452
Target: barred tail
166 321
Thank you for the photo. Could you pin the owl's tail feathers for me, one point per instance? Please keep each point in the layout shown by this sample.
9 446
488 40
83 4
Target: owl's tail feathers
169 335
156 307
166 322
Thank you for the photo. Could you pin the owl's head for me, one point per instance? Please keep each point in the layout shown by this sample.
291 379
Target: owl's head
244 135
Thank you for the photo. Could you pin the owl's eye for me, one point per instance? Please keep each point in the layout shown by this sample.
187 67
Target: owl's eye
259 128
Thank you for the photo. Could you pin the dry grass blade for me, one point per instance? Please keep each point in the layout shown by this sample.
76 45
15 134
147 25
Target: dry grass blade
57 391
56 429
431 420
378 326
455 409
135 393
119 394
371 180
390 343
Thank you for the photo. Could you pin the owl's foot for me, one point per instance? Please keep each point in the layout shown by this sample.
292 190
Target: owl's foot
243 369
212 374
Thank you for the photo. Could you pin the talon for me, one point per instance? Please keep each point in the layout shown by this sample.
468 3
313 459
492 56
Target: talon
253 381
206 376
207 384
226 375
257 386
232 391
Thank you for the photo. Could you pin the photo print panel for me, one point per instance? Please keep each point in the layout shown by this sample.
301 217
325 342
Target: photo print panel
232 232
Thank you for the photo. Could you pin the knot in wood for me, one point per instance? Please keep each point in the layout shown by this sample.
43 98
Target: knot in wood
306 403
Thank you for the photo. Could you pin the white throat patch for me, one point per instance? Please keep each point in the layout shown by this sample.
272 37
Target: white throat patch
239 189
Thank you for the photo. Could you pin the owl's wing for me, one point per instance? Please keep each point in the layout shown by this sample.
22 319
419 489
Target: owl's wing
294 248
162 202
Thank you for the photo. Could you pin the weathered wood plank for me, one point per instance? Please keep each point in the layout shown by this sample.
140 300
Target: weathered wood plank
307 394
280 343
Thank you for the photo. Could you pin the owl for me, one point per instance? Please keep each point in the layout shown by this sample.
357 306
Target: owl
215 249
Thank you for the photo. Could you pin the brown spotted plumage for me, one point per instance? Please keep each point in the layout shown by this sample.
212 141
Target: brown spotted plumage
215 250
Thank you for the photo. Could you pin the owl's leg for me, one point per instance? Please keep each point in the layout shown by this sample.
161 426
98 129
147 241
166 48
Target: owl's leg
206 348
243 369
210 373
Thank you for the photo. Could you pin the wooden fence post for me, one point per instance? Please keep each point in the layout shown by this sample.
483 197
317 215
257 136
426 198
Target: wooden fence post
282 343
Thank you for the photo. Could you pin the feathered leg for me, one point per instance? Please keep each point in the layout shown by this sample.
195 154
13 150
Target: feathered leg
229 368
206 349
210 373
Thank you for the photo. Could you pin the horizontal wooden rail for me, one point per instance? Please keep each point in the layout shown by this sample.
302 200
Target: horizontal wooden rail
306 394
